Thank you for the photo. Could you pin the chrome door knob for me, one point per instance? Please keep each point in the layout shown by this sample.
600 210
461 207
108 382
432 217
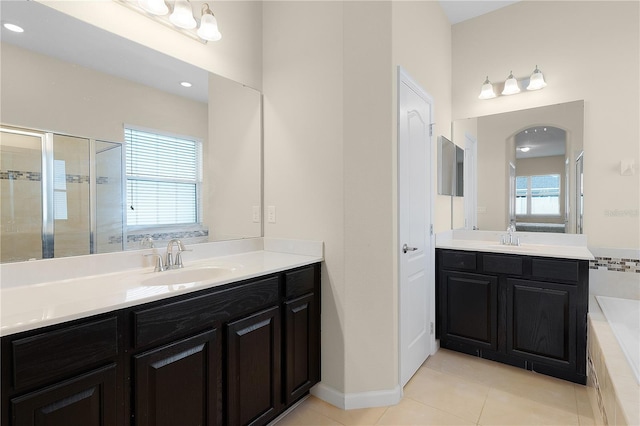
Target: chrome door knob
406 248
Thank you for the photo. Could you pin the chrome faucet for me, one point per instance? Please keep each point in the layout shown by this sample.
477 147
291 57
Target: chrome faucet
510 239
176 263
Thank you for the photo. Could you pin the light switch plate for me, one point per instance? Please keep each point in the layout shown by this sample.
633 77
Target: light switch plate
271 214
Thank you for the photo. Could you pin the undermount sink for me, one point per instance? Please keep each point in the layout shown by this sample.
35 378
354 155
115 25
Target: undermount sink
187 275
521 249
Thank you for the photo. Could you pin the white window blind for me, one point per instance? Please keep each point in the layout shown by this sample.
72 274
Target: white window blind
163 178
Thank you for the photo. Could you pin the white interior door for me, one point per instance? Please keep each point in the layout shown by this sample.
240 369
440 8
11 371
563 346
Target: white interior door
415 248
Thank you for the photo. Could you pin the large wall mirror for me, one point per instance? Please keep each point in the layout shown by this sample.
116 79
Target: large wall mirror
529 168
78 102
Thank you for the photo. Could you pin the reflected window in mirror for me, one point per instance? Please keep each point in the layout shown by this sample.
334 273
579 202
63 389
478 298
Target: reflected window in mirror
164 175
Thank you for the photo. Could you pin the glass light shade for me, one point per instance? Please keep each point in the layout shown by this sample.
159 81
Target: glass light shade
155 7
511 86
536 82
487 90
209 28
182 15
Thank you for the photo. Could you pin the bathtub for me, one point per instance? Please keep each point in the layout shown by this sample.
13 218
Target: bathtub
623 316
614 359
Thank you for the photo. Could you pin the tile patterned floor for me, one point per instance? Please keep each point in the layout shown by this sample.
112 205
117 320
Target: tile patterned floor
457 389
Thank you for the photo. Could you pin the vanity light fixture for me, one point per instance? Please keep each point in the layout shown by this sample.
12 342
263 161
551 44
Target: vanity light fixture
181 17
487 90
511 85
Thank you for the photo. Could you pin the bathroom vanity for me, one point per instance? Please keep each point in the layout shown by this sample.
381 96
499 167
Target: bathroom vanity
237 353
506 305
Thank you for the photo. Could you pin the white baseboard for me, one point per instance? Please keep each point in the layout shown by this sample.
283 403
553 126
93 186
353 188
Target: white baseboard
352 401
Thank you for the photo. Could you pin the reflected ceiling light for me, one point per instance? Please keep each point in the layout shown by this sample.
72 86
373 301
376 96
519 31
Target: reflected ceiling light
487 90
182 15
208 25
13 27
155 7
511 85
525 149
186 84
536 81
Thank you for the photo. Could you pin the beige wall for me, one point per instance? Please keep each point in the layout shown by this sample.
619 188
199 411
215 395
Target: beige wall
330 160
238 56
232 161
44 93
582 48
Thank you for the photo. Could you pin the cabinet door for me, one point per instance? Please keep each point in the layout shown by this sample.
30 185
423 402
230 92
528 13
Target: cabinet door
301 336
541 321
469 312
177 384
85 400
253 368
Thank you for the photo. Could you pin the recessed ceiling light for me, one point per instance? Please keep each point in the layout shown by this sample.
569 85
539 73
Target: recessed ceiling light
14 28
186 84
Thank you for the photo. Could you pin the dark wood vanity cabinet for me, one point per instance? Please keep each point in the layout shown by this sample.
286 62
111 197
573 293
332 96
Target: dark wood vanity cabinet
525 311
237 354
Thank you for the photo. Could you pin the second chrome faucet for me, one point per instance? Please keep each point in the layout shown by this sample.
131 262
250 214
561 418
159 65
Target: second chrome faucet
170 261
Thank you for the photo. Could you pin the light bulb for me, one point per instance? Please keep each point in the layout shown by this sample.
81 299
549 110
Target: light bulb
487 90
511 85
182 15
536 81
208 25
155 7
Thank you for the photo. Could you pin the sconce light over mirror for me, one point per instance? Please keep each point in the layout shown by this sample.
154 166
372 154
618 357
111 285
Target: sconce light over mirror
180 19
512 85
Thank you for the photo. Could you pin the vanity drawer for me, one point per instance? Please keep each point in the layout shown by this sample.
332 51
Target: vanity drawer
500 264
451 259
39 359
170 321
299 282
563 270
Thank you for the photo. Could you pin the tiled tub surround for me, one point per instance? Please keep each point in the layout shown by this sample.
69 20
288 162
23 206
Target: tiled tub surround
613 389
45 292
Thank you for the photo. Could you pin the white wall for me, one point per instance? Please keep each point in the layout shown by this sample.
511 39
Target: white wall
238 56
586 50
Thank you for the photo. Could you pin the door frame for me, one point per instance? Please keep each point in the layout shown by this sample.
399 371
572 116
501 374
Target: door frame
470 181
404 78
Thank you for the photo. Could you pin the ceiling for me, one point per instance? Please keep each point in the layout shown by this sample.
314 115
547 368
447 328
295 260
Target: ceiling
52 33
462 10
542 141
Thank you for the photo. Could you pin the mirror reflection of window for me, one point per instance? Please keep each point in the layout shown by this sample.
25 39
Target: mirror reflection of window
163 178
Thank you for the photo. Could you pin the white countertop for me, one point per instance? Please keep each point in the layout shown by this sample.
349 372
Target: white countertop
566 246
27 307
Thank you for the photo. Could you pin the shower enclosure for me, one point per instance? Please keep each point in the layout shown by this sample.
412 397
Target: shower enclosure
60 195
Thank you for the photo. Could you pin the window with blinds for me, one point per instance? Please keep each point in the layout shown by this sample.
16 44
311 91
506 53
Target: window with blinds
163 179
